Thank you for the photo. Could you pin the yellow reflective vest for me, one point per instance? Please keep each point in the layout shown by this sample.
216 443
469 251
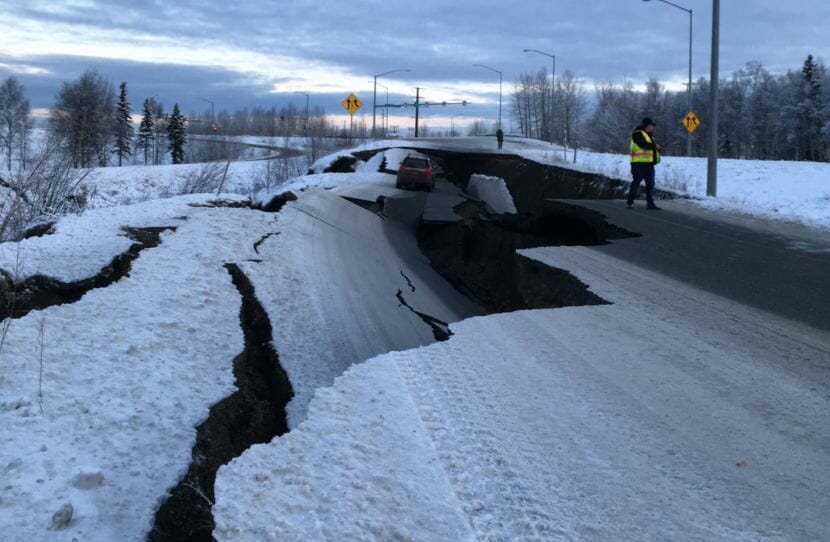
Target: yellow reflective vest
640 155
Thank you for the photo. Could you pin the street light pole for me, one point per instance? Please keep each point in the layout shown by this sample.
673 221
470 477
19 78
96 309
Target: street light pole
375 96
712 162
552 88
689 11
500 82
385 123
211 110
306 109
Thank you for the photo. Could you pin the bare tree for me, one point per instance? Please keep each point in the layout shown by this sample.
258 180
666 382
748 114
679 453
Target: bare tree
15 123
82 118
50 188
571 106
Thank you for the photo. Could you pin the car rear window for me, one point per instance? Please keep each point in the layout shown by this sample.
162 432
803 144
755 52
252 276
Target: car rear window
419 163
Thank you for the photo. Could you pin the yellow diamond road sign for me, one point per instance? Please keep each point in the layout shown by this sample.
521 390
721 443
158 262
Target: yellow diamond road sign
352 104
691 122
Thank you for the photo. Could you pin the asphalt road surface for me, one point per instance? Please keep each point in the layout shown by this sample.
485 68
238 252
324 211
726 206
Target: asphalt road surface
777 267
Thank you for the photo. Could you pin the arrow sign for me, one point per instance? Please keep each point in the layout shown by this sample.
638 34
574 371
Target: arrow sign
351 104
691 122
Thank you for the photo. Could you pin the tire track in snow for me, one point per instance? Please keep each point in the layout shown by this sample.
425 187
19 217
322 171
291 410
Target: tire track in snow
497 502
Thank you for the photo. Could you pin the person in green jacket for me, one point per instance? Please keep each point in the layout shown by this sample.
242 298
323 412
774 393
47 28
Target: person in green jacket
500 137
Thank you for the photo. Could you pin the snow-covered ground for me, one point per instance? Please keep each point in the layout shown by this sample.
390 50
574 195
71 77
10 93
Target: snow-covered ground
795 191
671 413
125 374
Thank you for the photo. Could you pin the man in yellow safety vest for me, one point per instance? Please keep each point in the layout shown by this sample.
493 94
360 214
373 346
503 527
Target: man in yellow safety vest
644 154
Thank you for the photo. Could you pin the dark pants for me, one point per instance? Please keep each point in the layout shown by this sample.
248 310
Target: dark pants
642 172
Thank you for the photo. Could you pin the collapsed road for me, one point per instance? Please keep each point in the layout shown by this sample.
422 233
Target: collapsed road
570 422
658 409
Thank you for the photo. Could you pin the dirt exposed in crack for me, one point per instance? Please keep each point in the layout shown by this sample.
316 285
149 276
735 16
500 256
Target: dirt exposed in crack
478 256
254 414
440 329
263 239
275 204
225 203
39 230
17 299
343 164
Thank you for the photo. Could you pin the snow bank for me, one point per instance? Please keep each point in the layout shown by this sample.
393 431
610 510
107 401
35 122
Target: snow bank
324 181
126 373
83 244
795 191
394 157
493 192
554 427
362 467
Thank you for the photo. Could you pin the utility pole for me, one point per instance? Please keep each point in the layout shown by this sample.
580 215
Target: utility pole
417 107
712 163
212 124
305 130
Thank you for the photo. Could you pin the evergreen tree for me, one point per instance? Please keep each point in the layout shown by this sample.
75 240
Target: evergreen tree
176 135
123 125
146 136
810 112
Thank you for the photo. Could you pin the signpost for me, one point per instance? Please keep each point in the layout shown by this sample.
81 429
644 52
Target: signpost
351 104
691 122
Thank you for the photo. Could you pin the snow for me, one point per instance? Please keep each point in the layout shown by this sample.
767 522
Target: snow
83 244
556 427
793 191
128 371
493 192
682 415
776 190
332 298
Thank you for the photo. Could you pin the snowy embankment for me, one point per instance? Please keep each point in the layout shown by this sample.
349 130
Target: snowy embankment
101 397
793 191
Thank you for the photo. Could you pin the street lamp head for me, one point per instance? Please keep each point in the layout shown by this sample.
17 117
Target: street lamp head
392 71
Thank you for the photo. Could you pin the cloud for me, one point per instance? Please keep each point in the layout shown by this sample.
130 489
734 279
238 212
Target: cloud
263 51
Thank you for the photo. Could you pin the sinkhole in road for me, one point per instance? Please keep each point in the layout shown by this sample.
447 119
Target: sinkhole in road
254 414
478 256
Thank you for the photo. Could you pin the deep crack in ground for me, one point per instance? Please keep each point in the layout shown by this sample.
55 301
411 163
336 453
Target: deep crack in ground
263 239
440 329
254 414
18 298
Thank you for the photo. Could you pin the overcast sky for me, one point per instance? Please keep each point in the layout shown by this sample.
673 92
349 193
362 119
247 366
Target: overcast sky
264 51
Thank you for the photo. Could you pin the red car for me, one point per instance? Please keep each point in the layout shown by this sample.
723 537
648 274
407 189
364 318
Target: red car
416 172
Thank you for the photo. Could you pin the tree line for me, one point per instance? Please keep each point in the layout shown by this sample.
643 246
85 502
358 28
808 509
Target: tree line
762 116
